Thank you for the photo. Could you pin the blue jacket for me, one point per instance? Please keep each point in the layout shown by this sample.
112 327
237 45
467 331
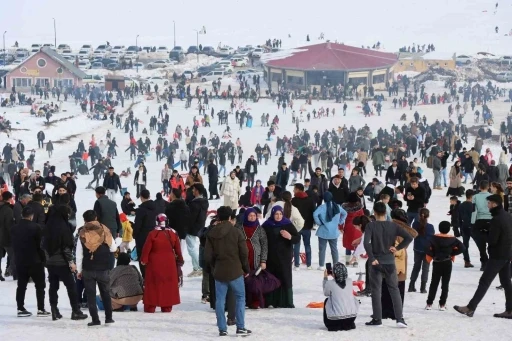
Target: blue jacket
421 242
328 230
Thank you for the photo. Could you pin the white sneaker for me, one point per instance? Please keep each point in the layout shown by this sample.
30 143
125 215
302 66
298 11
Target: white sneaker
442 307
320 268
296 268
428 307
310 267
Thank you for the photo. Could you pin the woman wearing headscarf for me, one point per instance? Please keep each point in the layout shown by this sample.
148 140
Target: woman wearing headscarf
58 245
291 212
257 245
126 284
281 235
340 306
162 256
328 216
455 180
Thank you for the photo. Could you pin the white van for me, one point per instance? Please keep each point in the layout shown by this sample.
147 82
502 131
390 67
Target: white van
212 76
84 64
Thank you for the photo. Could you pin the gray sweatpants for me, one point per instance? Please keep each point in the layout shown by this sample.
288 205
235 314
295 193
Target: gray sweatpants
437 178
389 272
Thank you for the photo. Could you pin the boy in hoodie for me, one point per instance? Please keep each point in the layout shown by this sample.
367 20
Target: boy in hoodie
464 214
454 214
442 250
245 199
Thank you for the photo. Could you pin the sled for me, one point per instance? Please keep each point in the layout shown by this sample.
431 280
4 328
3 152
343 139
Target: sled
315 305
83 170
123 191
133 255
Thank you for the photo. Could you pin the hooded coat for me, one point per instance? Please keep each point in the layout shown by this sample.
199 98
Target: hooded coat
350 233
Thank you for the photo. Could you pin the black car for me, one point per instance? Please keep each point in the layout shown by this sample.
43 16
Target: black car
208 50
192 49
176 55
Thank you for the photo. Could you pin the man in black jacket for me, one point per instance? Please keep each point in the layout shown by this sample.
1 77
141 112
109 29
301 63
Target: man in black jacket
500 254
37 208
251 169
306 207
178 213
198 212
272 194
339 189
26 243
145 220
112 183
213 179
393 174
108 215
415 198
6 221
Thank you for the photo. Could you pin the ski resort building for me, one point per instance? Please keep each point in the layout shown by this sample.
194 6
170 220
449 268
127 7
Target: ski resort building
329 63
421 62
45 68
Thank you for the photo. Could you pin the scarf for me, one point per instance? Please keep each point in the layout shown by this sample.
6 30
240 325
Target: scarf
331 209
250 224
93 234
272 223
340 274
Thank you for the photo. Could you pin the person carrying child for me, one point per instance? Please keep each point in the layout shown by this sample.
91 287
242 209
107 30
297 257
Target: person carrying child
441 250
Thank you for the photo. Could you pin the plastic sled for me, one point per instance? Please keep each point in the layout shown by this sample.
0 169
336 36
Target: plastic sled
99 303
315 305
133 255
124 190
176 165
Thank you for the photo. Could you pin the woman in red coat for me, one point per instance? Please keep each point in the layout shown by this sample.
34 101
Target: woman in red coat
350 233
162 256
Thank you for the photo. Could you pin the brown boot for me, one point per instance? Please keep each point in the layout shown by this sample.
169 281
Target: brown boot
468 265
464 310
504 315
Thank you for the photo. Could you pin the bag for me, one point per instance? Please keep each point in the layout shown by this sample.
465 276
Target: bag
430 161
133 255
261 284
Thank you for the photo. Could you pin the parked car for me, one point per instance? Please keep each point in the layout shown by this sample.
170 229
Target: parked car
22 53
82 54
67 52
138 65
131 54
208 50
162 49
239 62
213 76
226 65
99 54
177 48
158 64
36 46
132 48
87 47
226 51
505 60
463 59
161 82
84 64
203 70
257 53
97 65
49 45
504 77
118 48
113 66
192 49
177 55
17 62
63 47
243 50
189 74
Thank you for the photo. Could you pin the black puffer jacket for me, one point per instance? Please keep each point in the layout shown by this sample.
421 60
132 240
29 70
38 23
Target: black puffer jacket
178 214
6 221
500 234
58 240
198 211
145 221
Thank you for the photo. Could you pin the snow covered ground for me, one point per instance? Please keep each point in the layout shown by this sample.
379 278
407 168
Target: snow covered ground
192 320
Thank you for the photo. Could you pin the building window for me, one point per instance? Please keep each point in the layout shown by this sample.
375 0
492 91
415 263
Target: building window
65 82
41 62
294 80
276 77
379 79
22 82
43 82
356 81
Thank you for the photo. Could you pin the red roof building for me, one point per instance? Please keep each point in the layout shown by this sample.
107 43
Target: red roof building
330 64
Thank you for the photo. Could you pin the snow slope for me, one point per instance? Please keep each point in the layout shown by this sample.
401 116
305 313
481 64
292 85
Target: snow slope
191 320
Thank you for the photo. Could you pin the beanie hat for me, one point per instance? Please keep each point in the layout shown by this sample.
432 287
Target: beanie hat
444 227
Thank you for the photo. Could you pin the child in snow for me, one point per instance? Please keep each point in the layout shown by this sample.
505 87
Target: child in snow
360 224
442 249
127 233
245 199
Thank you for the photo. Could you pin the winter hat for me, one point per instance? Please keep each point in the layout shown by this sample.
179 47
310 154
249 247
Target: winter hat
340 274
444 227
123 217
161 220
248 223
353 198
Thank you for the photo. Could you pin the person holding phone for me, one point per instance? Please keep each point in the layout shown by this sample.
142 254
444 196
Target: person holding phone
340 306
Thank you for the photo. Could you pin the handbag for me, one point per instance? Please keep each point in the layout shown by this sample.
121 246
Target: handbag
178 263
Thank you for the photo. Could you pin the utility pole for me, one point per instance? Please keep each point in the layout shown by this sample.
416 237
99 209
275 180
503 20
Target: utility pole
201 31
55 32
174 32
137 47
5 52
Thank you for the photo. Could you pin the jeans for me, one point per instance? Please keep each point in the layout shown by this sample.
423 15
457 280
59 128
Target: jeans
222 168
322 246
420 263
437 178
444 174
102 278
165 184
377 272
441 272
250 179
494 267
294 173
470 175
479 234
466 235
412 216
306 238
111 194
192 251
303 170
221 290
56 274
36 272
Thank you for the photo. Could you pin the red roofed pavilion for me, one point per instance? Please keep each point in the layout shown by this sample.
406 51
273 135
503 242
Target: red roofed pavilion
330 64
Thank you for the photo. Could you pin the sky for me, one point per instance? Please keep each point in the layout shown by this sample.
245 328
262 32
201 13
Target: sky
453 26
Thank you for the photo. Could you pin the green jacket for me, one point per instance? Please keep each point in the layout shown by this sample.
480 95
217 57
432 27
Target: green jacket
481 211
